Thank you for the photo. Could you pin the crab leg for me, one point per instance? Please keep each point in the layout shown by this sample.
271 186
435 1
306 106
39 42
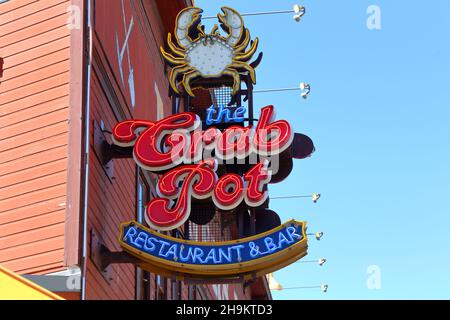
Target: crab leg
174 74
244 43
175 49
236 79
247 55
170 58
187 79
243 65
214 30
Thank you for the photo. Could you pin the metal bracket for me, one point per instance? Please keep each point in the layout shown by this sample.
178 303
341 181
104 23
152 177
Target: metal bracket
101 146
248 283
103 258
106 151
199 281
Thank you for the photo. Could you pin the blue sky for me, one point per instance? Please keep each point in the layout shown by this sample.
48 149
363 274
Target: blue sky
379 114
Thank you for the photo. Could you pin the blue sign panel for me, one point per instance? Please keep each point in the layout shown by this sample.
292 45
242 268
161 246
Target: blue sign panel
138 239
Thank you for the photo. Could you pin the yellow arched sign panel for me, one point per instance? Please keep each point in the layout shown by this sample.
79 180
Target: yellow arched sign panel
256 255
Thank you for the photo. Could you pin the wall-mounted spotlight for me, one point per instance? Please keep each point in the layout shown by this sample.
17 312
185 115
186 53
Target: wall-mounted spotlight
320 261
273 283
317 235
315 197
299 12
306 89
323 287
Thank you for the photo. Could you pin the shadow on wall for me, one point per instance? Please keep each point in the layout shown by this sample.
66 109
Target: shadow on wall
1 68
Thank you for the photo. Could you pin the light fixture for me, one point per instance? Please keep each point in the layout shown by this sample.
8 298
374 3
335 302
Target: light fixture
322 261
299 12
317 235
273 283
323 287
306 88
315 197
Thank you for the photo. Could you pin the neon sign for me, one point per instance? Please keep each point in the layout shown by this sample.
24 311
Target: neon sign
269 250
221 114
209 55
200 181
186 159
183 141
177 140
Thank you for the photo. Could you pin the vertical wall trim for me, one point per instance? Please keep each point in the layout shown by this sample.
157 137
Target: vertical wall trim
77 99
86 153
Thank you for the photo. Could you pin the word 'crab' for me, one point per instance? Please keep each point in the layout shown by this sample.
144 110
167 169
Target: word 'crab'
198 54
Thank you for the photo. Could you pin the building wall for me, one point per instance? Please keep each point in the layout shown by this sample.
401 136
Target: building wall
41 135
34 107
113 201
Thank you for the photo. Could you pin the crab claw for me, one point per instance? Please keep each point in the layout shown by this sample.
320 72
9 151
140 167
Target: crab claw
184 20
233 24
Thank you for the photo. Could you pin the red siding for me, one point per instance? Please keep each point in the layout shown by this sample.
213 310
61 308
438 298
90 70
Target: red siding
112 202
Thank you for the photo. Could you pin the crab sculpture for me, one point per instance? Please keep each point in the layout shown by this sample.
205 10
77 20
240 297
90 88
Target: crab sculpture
199 55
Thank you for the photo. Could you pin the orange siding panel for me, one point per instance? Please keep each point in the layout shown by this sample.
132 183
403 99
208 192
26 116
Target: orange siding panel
34 135
34 41
34 108
29 187
28 125
36 87
34 148
42 268
41 22
35 64
32 241
33 173
32 77
32 223
26 162
35 100
14 5
31 198
37 262
31 55
33 111
13 215
29 12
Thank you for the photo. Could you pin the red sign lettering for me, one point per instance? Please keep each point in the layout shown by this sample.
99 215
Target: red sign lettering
178 139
